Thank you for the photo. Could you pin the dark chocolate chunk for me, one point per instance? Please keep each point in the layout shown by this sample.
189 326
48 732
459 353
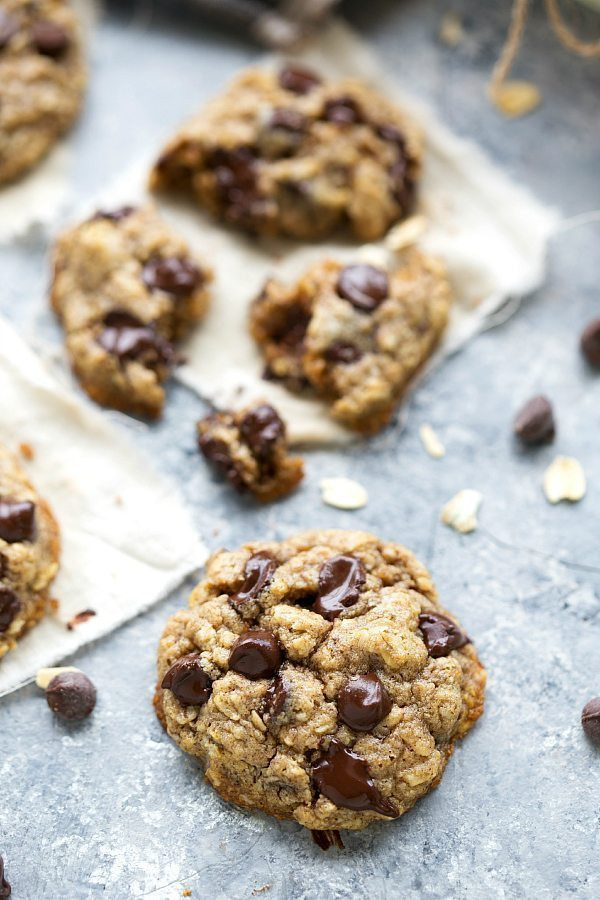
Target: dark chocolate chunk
49 38
258 573
298 79
9 26
342 111
17 520
288 120
127 337
3 566
9 607
343 353
188 681
113 215
365 287
534 423
261 428
291 329
440 634
327 839
71 696
344 778
392 135
5 889
590 342
363 702
274 700
217 453
235 176
590 720
174 275
340 581
256 654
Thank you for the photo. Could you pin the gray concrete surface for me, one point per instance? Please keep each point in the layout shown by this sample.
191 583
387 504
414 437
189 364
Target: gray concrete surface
112 808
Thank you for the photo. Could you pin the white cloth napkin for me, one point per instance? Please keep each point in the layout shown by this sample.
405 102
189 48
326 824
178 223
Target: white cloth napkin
127 538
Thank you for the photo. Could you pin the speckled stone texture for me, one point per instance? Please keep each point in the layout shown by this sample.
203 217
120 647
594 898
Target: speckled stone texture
112 808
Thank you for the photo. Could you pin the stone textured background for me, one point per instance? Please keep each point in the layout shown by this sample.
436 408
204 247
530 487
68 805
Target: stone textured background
112 808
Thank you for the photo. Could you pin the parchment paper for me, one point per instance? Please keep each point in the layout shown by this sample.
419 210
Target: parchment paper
127 539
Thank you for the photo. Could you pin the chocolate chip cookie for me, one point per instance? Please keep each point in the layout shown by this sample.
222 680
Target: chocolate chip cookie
249 449
286 153
126 288
355 334
42 77
29 553
319 679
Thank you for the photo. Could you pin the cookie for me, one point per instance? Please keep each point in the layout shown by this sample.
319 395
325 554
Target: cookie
355 334
286 153
29 553
249 449
318 679
126 289
42 77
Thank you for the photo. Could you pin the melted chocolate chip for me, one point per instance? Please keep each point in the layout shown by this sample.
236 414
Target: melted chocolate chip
113 215
440 634
5 889
257 574
403 186
9 26
363 702
17 520
365 287
590 720
71 696
288 120
49 38
256 654
274 700
298 80
327 839
174 275
3 566
9 607
340 581
235 176
534 423
392 135
342 111
188 681
343 777
217 453
590 342
343 353
261 428
127 337
291 330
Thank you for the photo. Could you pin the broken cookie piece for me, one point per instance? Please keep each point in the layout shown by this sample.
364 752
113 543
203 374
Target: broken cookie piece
126 288
249 449
287 153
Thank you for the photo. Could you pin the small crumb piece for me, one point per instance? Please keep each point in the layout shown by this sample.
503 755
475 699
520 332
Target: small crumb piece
516 98
564 479
406 233
45 676
26 451
460 512
431 441
343 493
261 890
80 618
186 893
451 31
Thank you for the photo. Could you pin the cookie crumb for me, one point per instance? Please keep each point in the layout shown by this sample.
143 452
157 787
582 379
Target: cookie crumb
27 451
451 31
460 512
186 893
343 493
431 441
564 479
261 890
516 98
80 618
45 676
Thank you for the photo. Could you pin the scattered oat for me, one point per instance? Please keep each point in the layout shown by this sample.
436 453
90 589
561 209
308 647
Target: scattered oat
564 479
261 890
45 676
406 233
460 512
431 441
516 98
451 31
26 451
343 493
80 618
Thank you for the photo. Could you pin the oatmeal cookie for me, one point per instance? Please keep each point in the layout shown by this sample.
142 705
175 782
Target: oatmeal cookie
286 153
356 334
42 77
249 448
29 553
318 679
126 288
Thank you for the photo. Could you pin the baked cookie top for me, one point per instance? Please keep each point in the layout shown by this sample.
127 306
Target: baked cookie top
356 334
285 152
42 77
29 552
126 288
318 679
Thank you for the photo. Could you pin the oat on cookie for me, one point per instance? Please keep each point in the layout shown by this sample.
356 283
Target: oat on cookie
286 153
319 679
42 77
356 334
249 449
29 553
126 288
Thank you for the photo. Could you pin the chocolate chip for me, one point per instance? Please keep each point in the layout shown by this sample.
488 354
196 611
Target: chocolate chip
340 581
344 778
257 574
590 720
80 617
342 111
17 520
274 700
534 423
172 274
590 342
256 654
403 186
291 329
49 38
343 353
364 286
9 607
71 696
188 681
327 839
5 889
3 566
8 28
128 338
235 176
261 428
392 135
298 79
440 634
113 215
217 453
363 702
288 120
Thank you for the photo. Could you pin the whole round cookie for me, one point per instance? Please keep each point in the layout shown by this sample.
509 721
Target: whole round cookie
318 679
42 77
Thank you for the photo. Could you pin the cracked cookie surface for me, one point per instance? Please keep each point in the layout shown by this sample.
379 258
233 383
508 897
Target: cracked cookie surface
126 289
286 153
42 77
318 679
29 553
